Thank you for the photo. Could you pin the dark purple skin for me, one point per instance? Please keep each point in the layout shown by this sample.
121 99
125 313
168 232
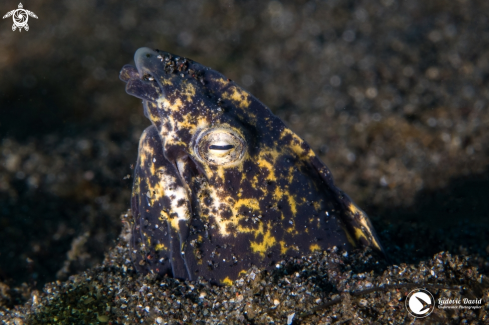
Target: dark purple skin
196 214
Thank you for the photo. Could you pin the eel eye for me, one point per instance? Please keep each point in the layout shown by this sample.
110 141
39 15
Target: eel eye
219 146
226 147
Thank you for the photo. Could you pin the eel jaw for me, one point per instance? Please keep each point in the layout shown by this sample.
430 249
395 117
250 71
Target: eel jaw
145 59
144 80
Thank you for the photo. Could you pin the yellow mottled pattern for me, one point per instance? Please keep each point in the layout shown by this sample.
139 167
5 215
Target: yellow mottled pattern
160 247
242 272
165 103
236 205
314 247
359 233
263 163
283 247
296 144
349 237
193 124
156 191
292 203
135 187
227 281
166 81
233 205
175 142
144 150
354 209
238 96
267 242
189 92
292 230
163 216
248 203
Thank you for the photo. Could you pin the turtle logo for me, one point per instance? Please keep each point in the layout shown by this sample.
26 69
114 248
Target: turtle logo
20 16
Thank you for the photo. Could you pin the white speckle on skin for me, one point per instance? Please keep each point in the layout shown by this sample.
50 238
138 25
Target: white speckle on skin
178 193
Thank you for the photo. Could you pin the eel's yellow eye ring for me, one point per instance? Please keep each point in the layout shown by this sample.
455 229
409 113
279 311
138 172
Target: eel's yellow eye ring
219 146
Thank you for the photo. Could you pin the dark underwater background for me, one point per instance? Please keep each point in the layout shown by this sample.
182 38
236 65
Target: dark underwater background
393 95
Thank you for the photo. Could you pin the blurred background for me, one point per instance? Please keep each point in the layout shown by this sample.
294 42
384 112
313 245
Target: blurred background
391 94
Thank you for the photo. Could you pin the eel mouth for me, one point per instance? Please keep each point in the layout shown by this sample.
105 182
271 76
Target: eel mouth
148 65
144 80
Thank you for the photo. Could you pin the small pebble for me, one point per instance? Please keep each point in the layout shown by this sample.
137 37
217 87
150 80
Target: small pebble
290 318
